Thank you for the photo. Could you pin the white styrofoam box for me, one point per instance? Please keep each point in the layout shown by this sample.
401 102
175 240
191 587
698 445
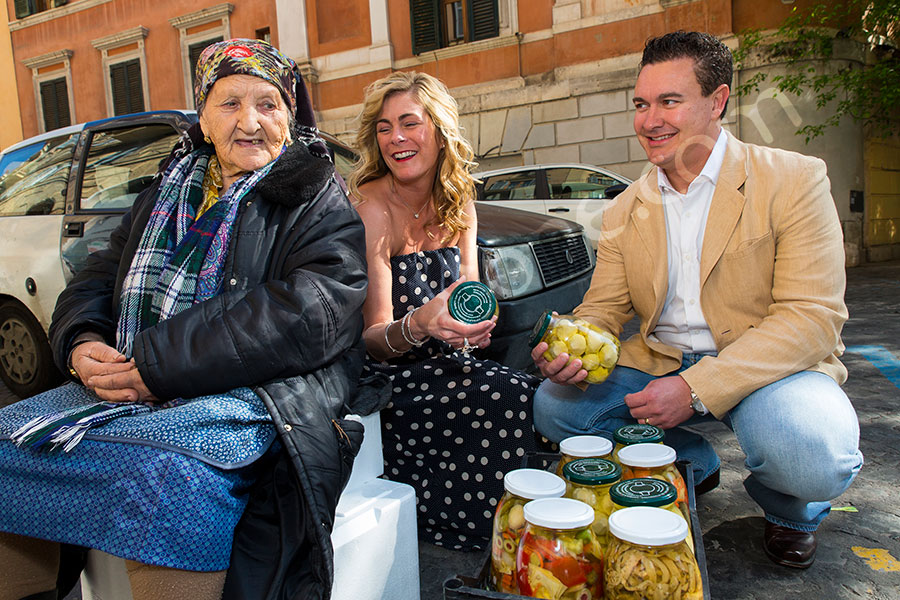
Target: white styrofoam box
376 554
105 578
369 462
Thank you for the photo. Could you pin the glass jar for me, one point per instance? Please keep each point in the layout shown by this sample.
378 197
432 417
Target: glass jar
656 461
646 491
636 434
472 302
597 349
589 480
558 556
648 557
521 486
582 446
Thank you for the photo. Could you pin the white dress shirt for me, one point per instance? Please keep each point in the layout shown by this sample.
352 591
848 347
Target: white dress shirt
682 323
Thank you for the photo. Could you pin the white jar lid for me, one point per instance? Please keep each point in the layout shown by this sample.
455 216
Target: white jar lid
647 526
647 455
559 513
534 483
585 446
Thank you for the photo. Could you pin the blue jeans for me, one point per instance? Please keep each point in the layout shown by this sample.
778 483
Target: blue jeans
800 436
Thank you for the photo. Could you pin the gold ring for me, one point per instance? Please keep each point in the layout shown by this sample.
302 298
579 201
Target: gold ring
647 421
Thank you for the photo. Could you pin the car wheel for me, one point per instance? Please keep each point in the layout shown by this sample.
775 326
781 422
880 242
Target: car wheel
26 362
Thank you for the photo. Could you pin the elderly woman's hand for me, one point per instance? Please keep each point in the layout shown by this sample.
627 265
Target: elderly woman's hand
433 319
107 372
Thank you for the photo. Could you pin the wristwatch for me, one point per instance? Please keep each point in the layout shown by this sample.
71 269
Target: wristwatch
75 344
697 405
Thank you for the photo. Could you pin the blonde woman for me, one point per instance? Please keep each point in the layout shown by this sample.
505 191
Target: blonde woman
455 423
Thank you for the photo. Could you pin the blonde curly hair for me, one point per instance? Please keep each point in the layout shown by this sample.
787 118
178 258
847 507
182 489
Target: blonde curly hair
454 186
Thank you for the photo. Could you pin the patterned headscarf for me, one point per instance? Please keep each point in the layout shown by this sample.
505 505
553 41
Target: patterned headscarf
241 56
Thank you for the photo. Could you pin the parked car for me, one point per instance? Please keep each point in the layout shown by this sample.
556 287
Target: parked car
63 192
572 191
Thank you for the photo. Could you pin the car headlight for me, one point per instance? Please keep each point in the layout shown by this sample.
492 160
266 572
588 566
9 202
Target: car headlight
510 271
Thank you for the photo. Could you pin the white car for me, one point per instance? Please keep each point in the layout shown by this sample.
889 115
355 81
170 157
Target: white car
572 191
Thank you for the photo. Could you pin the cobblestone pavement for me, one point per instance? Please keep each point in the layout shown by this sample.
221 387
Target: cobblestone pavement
859 552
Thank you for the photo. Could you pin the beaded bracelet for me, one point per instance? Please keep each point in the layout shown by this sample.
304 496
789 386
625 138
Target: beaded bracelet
407 332
387 341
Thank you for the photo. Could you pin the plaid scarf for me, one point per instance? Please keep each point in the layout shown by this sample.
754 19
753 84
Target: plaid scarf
180 258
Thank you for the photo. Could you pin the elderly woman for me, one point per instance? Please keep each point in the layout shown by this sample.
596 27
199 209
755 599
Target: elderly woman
212 348
455 424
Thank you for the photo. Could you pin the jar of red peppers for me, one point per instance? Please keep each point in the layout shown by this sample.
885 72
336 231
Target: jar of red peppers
636 434
648 557
656 461
558 555
521 486
582 446
589 480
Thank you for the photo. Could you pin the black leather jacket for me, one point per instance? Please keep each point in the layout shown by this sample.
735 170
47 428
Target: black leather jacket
288 324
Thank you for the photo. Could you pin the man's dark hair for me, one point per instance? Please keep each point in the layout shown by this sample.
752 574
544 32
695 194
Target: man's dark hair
712 58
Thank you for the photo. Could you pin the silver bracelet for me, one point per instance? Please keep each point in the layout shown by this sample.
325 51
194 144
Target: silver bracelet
387 341
406 331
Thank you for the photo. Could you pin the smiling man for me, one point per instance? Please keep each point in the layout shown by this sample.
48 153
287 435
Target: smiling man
731 256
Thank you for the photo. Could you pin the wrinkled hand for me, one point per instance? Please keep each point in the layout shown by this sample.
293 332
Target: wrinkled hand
557 370
666 402
107 372
433 319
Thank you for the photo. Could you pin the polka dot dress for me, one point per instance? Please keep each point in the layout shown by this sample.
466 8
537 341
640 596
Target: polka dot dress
455 424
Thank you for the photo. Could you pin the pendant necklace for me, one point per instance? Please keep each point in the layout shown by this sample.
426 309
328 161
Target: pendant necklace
397 196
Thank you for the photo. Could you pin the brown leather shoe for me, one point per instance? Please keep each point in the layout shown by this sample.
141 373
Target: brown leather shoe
789 547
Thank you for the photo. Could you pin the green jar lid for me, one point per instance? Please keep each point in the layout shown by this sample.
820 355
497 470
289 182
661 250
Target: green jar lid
540 328
643 491
638 434
592 471
472 302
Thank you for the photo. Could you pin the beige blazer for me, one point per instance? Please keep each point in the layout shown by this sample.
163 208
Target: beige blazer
771 275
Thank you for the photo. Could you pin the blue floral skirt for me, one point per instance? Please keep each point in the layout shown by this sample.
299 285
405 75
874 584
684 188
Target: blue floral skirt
165 487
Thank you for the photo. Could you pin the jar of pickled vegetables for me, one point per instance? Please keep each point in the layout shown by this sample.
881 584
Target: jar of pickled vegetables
636 434
597 349
558 556
648 557
589 480
521 486
656 461
582 446
646 491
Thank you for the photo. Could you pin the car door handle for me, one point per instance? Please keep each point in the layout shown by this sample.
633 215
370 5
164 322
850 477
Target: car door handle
558 210
75 229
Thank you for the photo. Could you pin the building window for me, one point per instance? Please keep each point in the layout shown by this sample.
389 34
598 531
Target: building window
196 31
55 103
441 23
26 8
125 63
127 88
52 76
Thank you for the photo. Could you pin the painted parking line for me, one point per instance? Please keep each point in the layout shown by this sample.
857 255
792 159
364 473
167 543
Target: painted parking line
882 359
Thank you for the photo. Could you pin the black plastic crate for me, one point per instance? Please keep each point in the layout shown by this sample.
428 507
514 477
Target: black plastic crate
463 587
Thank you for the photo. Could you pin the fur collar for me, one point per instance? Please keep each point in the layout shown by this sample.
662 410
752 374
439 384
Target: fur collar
296 178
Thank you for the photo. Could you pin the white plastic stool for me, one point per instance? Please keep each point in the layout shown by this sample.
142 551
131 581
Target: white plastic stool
375 543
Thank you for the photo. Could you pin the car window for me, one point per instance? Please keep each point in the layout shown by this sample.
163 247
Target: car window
121 163
512 186
344 160
566 183
34 178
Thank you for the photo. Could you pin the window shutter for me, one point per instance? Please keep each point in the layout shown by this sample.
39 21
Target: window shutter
484 19
127 90
55 104
424 18
25 8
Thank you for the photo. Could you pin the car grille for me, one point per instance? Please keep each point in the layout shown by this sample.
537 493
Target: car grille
562 258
